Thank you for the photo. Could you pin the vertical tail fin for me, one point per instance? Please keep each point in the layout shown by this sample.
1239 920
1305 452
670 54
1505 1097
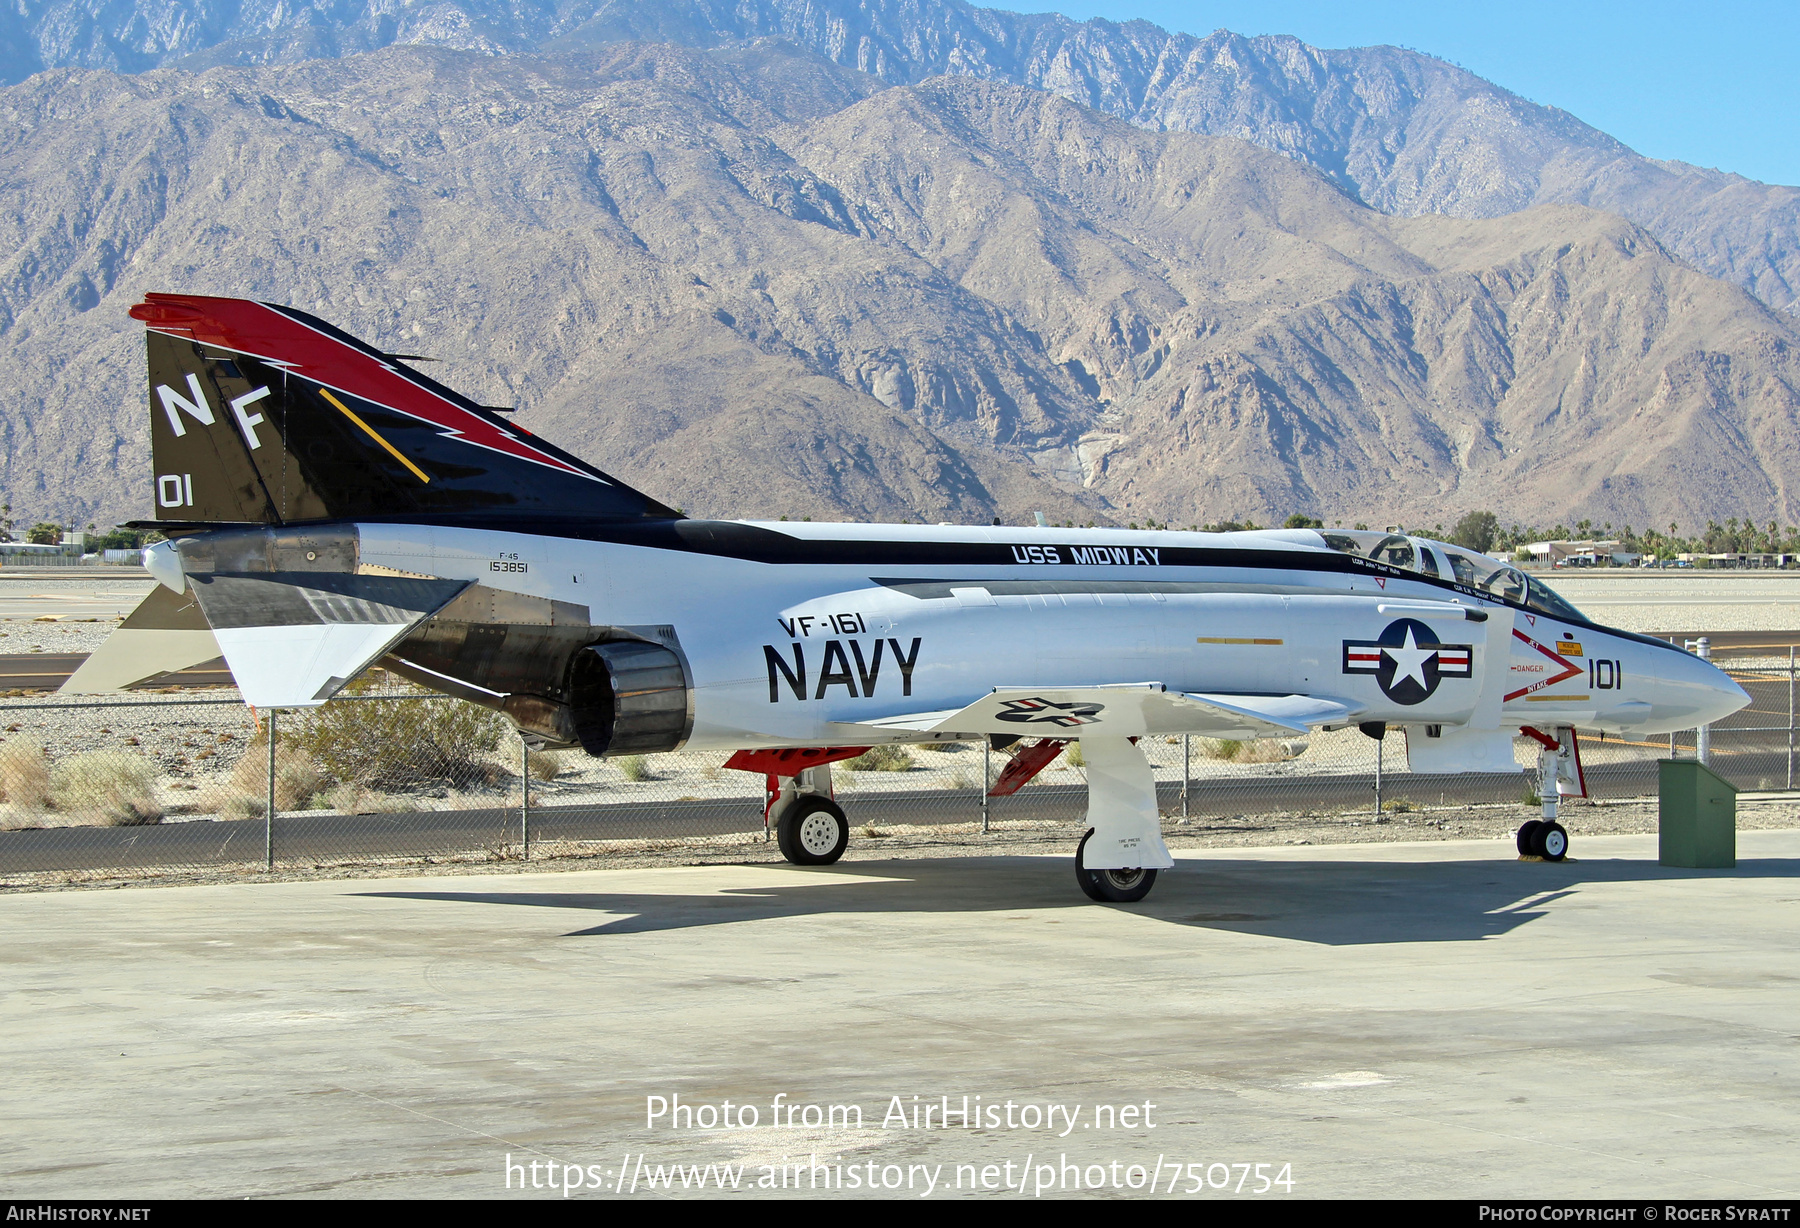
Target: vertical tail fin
262 414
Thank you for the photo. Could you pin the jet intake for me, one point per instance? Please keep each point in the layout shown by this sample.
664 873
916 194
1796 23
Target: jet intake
628 697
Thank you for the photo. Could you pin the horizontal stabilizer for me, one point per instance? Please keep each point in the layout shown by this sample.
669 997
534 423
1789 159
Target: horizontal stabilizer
1128 710
167 632
294 639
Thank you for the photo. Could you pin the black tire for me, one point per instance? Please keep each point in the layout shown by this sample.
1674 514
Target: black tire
1552 842
1111 886
813 832
1088 881
1527 838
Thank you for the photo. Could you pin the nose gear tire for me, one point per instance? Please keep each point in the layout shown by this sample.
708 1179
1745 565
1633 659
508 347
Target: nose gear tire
1111 886
1527 834
813 832
1552 842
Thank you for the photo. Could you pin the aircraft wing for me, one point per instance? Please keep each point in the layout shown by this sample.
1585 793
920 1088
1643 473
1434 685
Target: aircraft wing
1125 710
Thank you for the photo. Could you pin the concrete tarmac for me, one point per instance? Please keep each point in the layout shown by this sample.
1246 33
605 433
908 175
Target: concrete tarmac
1388 1020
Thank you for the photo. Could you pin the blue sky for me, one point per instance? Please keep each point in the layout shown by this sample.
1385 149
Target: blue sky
1713 84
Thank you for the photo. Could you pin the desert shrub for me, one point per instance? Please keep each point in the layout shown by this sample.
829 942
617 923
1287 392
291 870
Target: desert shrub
384 803
889 758
24 775
298 777
634 767
546 764
1400 806
1072 756
1261 750
242 806
110 787
394 743
345 799
945 748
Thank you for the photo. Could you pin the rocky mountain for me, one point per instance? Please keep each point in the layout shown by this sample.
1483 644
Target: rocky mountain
756 283
1403 132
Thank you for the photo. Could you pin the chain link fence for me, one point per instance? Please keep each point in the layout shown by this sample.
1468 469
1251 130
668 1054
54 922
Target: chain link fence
185 781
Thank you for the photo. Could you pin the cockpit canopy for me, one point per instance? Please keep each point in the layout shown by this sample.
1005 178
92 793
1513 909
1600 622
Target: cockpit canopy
1443 561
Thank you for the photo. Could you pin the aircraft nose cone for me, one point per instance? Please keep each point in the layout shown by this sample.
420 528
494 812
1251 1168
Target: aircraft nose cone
1725 695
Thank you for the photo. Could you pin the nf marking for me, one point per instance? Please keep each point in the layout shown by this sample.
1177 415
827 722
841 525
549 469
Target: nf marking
247 421
197 408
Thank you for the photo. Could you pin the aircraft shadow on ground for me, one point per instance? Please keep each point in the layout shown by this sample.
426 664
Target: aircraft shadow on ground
1335 903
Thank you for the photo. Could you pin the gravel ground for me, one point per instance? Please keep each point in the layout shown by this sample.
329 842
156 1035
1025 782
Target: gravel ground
23 629
188 742
18 635
195 749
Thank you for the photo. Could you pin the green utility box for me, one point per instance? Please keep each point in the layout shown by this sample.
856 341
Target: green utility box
1696 816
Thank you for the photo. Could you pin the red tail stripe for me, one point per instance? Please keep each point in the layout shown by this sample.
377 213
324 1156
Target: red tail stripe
261 331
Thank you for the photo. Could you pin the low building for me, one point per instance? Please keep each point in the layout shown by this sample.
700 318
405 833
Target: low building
1580 554
1742 560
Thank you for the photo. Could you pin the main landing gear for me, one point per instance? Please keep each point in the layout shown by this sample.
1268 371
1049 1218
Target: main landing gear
797 804
1111 886
1117 860
812 831
1123 842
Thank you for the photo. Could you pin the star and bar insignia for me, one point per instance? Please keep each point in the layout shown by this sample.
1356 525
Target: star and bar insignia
1408 661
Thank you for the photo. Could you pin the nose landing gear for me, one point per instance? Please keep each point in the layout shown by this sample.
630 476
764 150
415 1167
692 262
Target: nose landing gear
1543 838
1558 760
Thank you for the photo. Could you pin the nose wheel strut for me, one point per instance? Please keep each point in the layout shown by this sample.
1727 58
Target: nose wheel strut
1546 837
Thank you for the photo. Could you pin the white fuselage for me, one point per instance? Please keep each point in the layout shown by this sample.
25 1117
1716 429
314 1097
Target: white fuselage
790 653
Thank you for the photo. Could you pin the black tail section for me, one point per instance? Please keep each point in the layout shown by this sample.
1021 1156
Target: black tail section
265 415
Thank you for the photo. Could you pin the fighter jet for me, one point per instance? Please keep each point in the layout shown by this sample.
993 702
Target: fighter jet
328 507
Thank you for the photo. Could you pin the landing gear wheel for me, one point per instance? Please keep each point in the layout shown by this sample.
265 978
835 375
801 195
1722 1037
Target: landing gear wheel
1552 842
813 832
1111 886
1528 836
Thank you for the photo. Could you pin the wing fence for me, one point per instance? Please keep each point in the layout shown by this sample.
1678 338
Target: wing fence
180 781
